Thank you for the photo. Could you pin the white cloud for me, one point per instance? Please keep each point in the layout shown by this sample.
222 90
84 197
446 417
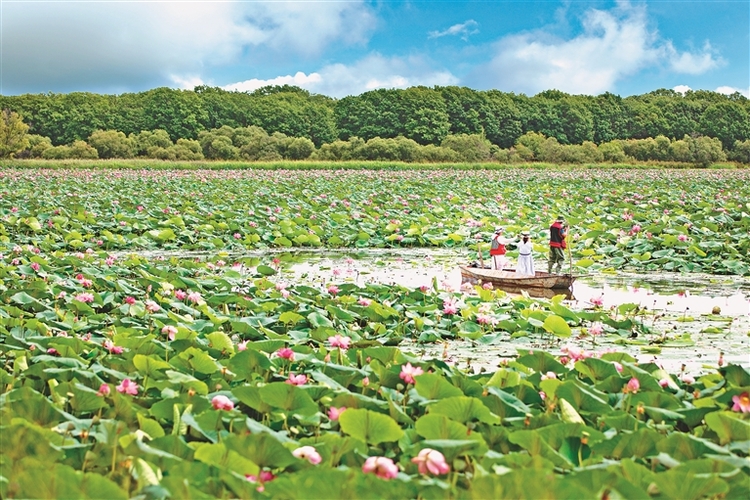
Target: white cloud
299 79
612 45
90 44
464 30
682 89
692 64
371 72
725 89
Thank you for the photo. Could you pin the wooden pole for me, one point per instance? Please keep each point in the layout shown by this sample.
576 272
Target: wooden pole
479 253
567 244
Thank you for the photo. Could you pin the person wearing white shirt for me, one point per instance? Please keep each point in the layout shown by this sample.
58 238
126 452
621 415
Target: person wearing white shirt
525 264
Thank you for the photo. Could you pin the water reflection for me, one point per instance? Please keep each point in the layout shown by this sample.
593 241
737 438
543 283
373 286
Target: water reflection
693 294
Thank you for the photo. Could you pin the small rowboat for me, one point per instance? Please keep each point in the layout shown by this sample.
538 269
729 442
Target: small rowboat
509 278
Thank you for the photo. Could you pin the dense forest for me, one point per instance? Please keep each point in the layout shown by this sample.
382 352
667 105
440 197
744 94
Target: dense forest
413 124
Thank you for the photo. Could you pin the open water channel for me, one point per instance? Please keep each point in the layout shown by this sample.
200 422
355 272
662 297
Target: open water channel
679 308
670 301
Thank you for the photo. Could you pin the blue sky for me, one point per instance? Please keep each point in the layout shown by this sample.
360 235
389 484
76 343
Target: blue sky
340 48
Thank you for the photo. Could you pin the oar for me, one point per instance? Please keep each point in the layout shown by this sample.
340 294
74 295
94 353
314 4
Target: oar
570 259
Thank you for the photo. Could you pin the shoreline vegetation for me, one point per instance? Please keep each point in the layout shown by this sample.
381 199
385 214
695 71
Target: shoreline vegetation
415 125
152 164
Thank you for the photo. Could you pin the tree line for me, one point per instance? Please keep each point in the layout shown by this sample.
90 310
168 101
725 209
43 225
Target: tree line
413 124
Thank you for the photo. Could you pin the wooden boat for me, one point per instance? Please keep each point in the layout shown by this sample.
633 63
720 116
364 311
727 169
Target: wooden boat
509 278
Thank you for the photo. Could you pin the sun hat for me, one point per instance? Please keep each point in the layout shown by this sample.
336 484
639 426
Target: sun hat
498 230
525 233
560 218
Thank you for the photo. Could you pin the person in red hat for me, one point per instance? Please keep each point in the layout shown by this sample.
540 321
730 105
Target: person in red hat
557 232
497 250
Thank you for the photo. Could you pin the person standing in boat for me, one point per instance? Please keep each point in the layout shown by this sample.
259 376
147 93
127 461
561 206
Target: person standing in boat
557 232
497 250
525 264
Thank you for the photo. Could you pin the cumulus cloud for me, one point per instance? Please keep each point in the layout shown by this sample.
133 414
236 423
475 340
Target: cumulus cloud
463 30
111 45
612 45
372 72
682 89
692 63
299 79
725 89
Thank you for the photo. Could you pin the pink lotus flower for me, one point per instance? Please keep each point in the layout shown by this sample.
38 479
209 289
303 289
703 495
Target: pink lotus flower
127 386
487 286
263 477
130 300
333 289
86 298
340 341
664 383
308 453
450 306
35 266
334 413
194 297
632 386
220 402
365 381
242 346
382 467
53 352
408 372
687 379
741 403
618 366
111 347
293 379
104 390
237 236
169 331
364 301
549 375
180 294
682 237
286 353
597 301
596 329
152 306
431 462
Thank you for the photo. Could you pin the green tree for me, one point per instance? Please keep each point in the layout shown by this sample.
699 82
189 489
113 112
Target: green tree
13 134
300 148
741 151
728 121
179 112
37 145
471 148
147 142
112 144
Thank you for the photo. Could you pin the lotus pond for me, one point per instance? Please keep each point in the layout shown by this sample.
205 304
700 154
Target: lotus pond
229 373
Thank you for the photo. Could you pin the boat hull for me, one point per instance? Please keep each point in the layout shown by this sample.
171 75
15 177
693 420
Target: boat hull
509 278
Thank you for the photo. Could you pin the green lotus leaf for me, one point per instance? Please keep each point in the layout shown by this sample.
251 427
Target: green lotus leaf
287 397
557 326
150 366
432 386
728 426
369 426
218 455
463 409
